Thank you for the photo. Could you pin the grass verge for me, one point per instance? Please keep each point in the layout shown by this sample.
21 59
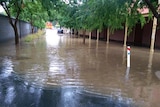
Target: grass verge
34 36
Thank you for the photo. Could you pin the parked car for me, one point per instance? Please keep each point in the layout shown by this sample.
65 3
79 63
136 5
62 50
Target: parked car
60 31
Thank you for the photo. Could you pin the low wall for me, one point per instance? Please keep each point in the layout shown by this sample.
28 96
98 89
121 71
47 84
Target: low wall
7 32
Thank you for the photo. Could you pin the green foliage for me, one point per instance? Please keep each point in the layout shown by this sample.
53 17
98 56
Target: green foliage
99 14
53 7
142 20
81 14
34 13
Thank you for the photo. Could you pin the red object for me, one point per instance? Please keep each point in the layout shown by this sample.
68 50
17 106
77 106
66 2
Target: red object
128 48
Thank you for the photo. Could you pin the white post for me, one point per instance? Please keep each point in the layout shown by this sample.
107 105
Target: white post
128 56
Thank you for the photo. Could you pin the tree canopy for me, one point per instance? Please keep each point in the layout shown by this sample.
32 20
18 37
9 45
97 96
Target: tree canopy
99 14
34 13
79 14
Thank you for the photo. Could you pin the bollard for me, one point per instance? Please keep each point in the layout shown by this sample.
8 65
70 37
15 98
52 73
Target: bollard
128 56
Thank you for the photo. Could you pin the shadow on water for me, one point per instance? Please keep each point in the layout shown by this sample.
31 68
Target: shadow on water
15 92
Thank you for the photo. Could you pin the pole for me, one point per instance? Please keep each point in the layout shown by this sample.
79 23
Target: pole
128 56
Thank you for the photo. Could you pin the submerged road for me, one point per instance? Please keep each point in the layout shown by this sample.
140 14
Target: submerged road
60 71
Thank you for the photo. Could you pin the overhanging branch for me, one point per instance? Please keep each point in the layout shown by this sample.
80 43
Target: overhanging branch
154 11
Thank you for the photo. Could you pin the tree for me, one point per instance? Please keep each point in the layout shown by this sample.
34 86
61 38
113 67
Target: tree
28 10
34 13
152 4
53 7
17 5
93 14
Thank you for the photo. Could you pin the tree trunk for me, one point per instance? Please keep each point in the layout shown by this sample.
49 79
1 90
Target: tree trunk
14 26
32 29
84 35
125 35
154 29
97 35
153 34
5 6
20 34
108 35
90 35
70 32
16 34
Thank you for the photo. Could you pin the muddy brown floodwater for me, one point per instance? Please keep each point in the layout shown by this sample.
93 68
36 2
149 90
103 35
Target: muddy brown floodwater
60 71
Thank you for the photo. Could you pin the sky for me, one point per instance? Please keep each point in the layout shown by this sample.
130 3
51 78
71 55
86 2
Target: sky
1 9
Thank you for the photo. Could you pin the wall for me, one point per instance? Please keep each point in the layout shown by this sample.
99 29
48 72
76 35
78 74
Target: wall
102 34
94 34
80 32
140 36
7 32
147 32
117 35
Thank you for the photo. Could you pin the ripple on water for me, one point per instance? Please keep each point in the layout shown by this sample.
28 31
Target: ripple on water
56 70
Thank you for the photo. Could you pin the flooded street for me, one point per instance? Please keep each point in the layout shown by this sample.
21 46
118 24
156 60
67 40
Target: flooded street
59 71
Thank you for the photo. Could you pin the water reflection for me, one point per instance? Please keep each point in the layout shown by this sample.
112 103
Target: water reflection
127 74
150 60
7 67
16 93
10 95
124 55
149 74
52 38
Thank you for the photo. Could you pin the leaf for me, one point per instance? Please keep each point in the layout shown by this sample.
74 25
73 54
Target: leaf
142 20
